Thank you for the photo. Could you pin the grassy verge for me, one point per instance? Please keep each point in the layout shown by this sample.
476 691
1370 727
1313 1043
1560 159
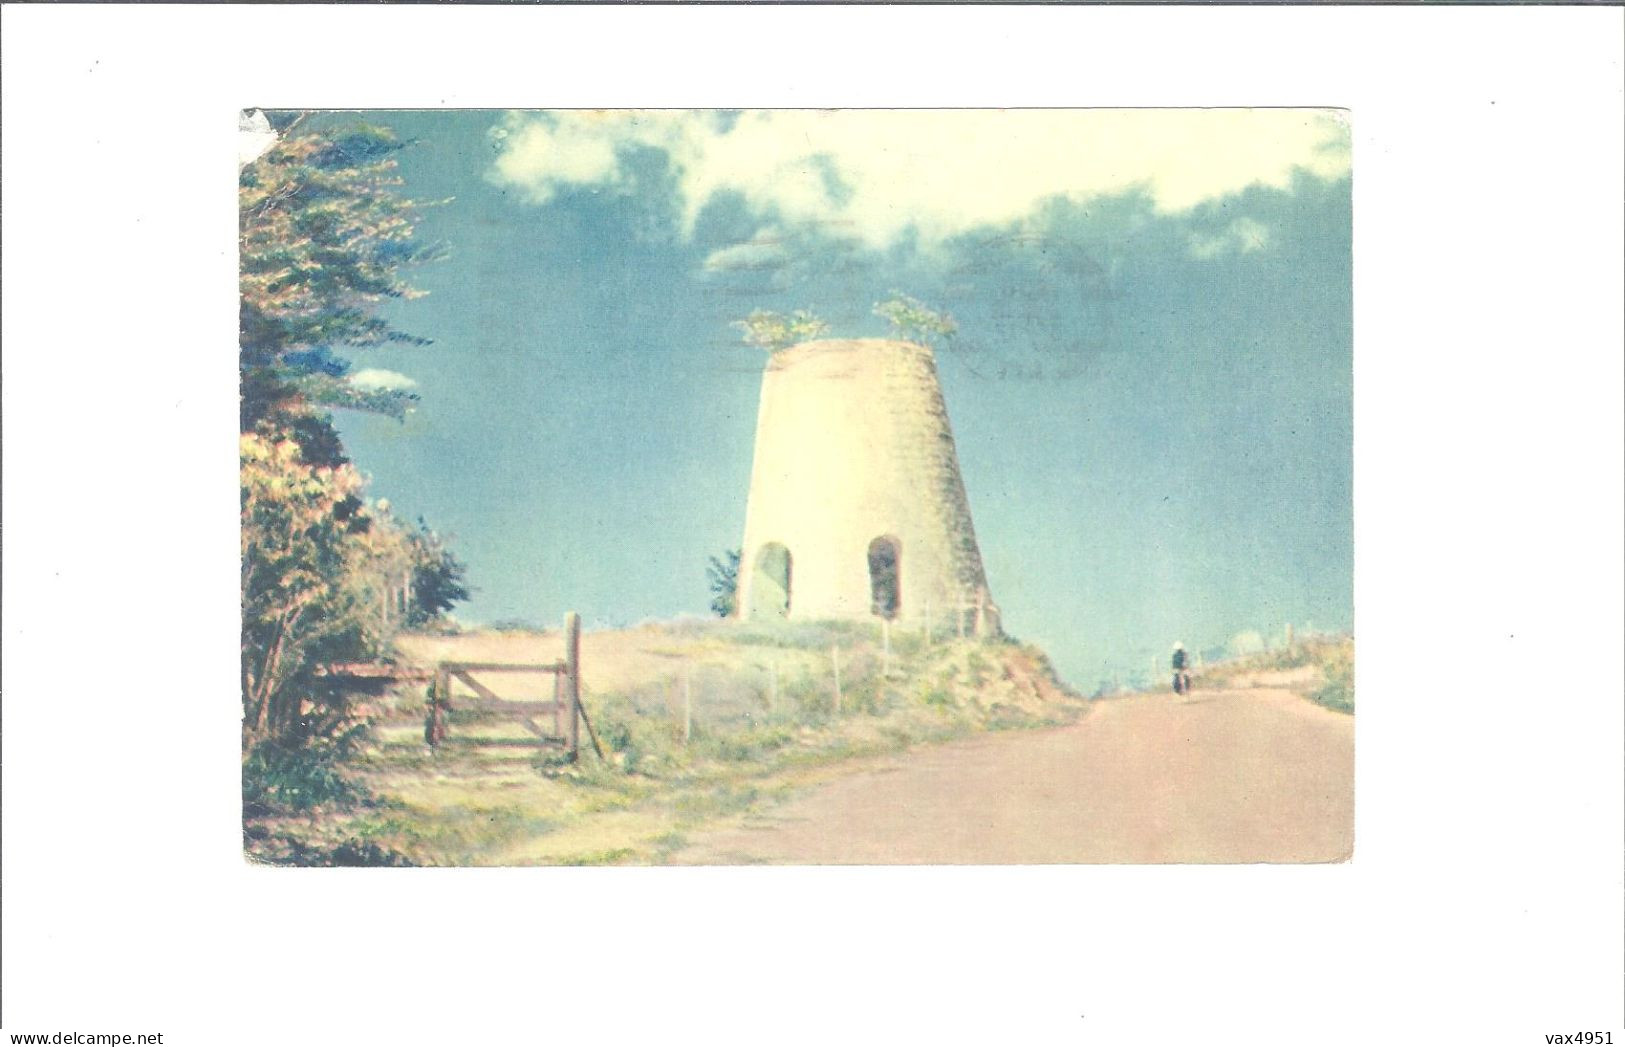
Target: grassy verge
1337 670
297 805
760 719
1320 669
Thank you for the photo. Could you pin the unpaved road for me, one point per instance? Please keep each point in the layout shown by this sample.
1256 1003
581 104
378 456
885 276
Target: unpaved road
1250 775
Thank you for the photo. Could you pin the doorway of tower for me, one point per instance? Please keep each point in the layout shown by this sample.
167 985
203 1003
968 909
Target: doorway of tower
885 596
770 582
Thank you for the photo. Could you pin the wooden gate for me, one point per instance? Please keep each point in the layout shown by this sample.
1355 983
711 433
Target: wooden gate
565 706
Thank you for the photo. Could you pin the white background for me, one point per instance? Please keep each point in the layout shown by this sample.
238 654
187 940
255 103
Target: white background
1483 904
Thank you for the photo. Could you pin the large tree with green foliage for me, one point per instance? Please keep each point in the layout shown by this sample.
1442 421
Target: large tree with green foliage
323 239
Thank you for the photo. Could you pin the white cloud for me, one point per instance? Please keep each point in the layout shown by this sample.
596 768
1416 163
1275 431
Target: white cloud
1242 236
543 152
764 251
374 379
874 174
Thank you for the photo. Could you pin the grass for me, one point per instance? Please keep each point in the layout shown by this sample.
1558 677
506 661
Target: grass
762 722
1328 678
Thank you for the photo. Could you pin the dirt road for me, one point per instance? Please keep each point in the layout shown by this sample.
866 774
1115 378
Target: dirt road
1250 775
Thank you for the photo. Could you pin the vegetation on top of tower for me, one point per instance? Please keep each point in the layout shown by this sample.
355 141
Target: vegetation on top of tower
913 319
773 331
910 319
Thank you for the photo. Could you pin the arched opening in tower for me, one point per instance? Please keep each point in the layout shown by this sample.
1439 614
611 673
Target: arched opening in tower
770 587
885 557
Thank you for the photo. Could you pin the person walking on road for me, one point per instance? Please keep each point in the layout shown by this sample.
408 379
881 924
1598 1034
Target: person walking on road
1182 676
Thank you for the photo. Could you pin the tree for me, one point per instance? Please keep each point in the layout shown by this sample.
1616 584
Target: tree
774 331
438 577
913 319
723 575
300 540
322 240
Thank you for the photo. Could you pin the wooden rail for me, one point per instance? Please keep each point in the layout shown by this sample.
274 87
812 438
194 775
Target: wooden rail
505 667
375 671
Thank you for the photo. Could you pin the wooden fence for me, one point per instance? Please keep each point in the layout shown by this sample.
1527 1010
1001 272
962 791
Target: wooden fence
564 707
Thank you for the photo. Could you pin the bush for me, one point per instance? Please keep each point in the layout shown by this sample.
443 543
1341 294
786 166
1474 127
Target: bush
812 698
1296 656
282 780
438 577
322 574
646 738
287 850
1338 691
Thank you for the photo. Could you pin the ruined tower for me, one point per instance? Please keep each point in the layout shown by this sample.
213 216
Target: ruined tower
857 509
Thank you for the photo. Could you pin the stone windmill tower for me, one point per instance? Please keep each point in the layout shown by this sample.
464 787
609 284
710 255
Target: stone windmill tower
857 509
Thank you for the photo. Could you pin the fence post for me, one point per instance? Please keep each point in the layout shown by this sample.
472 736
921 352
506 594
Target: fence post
558 705
437 705
432 697
835 660
688 704
572 686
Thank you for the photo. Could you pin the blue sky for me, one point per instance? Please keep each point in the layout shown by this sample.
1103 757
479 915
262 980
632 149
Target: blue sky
1150 390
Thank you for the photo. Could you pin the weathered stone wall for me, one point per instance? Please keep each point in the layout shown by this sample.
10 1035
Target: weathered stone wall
852 444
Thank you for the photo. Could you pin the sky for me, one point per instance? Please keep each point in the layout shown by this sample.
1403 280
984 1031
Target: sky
1150 389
